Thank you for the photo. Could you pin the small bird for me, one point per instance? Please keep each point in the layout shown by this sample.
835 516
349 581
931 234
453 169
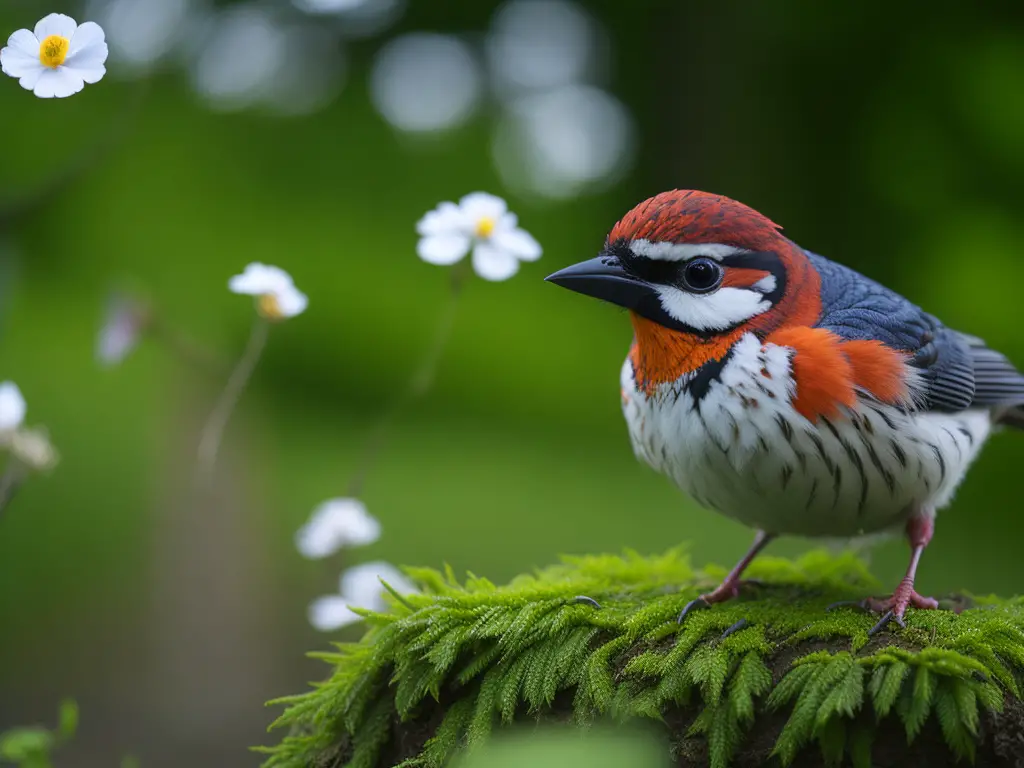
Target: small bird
787 391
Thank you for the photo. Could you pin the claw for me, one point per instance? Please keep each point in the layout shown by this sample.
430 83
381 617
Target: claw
699 604
586 601
741 624
883 622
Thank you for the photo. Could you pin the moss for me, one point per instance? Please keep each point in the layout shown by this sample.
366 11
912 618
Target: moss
798 684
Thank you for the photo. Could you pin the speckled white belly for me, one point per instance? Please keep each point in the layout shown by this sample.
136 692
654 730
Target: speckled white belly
744 451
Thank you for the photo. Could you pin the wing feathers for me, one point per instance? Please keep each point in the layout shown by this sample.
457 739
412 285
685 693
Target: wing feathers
959 371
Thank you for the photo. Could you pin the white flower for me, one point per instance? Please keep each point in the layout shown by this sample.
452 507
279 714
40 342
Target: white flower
480 222
12 406
278 298
33 448
360 588
122 328
58 58
334 524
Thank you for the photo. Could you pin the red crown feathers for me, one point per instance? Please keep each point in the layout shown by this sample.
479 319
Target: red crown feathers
690 216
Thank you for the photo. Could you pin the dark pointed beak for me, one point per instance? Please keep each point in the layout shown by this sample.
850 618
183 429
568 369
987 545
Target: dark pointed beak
604 278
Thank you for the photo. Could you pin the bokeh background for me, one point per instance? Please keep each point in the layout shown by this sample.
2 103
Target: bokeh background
313 135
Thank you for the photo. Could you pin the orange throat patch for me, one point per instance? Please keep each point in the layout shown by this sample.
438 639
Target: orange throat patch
660 355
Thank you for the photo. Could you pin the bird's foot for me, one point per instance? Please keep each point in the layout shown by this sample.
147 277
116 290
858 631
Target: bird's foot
893 608
727 590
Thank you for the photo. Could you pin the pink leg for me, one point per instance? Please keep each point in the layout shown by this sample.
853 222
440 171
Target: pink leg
919 533
730 587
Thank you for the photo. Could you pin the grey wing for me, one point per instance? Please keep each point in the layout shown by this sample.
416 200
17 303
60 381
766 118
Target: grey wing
959 370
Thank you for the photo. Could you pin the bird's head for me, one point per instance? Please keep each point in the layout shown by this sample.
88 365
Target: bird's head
694 262
697 271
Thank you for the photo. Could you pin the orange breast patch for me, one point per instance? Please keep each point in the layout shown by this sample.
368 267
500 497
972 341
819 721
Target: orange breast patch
828 370
661 355
878 369
822 373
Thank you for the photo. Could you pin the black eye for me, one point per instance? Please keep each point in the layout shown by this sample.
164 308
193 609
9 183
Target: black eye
702 275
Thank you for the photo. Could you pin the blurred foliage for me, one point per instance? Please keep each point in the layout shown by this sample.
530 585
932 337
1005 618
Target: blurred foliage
886 136
596 748
32 747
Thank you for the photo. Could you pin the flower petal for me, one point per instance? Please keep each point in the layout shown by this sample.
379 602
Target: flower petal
291 301
58 83
25 42
31 77
12 406
258 279
444 219
331 612
334 524
55 24
21 55
361 584
32 447
479 205
87 53
518 242
443 249
122 328
492 263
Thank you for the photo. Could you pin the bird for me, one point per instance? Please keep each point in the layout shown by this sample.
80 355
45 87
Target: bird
787 391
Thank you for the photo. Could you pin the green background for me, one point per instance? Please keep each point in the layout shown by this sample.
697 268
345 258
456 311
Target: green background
887 136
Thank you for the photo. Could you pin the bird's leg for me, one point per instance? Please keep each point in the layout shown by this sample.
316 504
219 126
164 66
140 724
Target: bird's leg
730 587
919 532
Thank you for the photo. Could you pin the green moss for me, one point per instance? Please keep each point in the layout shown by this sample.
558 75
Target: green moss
449 665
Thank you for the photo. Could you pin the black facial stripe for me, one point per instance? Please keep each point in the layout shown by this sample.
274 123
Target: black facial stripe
766 261
670 273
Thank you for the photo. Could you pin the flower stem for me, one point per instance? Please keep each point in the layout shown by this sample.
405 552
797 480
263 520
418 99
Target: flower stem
213 430
418 385
11 481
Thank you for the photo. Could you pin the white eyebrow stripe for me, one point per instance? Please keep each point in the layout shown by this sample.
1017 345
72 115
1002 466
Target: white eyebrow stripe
682 251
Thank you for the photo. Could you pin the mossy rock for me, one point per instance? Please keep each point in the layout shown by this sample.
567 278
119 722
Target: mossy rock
796 686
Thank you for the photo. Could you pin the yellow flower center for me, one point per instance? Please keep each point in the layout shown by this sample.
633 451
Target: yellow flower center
485 227
53 50
268 306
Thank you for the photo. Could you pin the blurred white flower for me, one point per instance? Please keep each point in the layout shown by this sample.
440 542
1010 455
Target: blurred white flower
542 44
360 588
241 51
32 447
58 58
277 296
564 142
12 406
424 82
480 222
329 6
141 32
123 325
334 524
